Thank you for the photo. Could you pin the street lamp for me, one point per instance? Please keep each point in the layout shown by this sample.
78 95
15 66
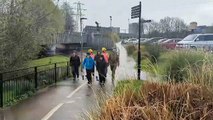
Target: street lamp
98 31
81 29
110 21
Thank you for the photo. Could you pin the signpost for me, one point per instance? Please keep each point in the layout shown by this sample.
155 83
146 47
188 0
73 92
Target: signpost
136 13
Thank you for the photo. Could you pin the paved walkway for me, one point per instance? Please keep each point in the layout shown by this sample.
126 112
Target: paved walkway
68 100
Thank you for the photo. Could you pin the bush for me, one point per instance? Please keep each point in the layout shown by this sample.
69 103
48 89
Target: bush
159 102
174 65
154 52
201 74
131 49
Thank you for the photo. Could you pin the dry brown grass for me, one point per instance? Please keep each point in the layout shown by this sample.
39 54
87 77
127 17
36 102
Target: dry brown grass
156 101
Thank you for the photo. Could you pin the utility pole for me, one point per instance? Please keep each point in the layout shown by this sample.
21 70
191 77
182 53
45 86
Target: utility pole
110 21
82 42
79 13
98 32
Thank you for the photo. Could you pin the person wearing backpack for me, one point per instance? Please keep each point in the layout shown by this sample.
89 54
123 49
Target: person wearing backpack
101 67
88 64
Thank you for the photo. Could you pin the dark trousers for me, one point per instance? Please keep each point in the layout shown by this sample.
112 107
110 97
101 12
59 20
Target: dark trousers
89 75
102 77
75 71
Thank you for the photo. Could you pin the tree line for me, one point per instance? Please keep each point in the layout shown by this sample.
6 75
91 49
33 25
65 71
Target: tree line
28 24
168 27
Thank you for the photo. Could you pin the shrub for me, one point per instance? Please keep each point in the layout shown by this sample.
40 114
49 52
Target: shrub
200 74
130 49
154 52
173 65
159 102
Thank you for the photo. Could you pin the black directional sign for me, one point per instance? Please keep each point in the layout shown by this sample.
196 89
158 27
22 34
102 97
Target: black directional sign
136 11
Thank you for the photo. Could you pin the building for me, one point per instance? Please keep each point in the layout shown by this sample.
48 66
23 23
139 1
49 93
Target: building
100 37
102 30
134 28
203 29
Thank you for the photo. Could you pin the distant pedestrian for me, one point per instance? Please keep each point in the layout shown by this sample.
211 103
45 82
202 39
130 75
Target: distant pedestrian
113 62
106 57
101 67
75 64
88 64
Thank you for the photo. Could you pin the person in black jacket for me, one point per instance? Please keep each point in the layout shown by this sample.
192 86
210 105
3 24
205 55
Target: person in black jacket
101 67
75 64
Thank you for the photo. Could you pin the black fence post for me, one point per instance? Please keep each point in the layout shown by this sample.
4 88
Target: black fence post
36 78
1 91
67 69
55 73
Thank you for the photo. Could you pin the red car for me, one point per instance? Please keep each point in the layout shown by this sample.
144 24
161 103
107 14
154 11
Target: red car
170 43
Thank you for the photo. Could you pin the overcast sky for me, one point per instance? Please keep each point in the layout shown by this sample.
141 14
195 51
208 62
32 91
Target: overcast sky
189 10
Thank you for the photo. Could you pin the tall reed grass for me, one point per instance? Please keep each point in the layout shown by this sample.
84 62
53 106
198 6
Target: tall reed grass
156 101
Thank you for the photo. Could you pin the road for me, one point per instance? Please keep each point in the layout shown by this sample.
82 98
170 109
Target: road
68 100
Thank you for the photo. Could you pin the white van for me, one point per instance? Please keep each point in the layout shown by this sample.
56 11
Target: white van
196 41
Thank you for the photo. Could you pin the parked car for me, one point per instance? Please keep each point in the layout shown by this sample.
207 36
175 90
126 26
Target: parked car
151 40
197 41
124 41
161 40
170 43
133 41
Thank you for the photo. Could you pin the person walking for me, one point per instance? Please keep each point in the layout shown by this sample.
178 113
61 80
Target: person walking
88 64
97 60
101 67
75 64
91 53
93 57
113 62
106 57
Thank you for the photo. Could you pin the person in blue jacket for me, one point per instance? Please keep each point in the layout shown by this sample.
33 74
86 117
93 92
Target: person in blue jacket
88 64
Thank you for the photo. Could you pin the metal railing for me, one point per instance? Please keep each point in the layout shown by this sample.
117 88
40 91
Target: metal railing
17 84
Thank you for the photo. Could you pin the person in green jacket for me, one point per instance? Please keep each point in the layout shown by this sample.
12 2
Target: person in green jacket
114 63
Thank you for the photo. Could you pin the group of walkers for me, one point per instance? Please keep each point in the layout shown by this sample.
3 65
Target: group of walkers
100 62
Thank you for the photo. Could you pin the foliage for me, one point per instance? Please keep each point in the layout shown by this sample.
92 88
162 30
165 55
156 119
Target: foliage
125 84
200 74
154 101
25 26
114 37
173 64
168 27
154 52
131 49
68 15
